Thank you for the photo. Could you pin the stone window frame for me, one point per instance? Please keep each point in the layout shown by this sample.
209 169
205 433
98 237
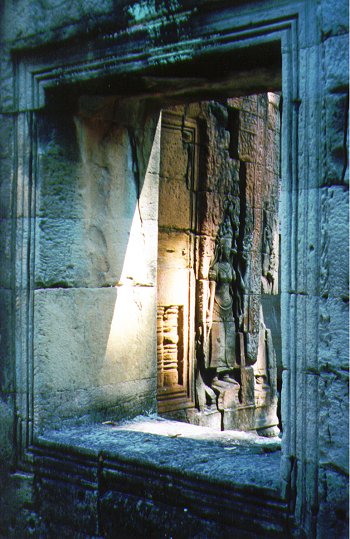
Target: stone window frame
291 28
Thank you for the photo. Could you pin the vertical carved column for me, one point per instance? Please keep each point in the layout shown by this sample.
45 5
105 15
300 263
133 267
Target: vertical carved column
170 340
160 359
167 345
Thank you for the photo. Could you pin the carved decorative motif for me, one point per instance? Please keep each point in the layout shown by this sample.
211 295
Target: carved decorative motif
236 261
176 261
167 345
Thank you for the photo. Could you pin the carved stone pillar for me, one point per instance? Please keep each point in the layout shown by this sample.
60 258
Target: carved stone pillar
160 338
170 342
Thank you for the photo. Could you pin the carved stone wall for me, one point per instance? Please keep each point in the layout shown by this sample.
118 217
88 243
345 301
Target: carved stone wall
175 265
227 185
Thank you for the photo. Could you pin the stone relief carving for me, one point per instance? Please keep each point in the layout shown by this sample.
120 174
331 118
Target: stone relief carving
219 331
167 345
234 225
227 381
269 253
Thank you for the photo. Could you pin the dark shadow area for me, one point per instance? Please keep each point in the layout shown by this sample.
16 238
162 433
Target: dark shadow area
250 70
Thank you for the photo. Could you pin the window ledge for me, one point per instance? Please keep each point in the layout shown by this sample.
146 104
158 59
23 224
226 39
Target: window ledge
151 470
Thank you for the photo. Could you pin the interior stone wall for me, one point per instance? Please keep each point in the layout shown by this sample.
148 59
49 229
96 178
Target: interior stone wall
176 261
95 272
230 162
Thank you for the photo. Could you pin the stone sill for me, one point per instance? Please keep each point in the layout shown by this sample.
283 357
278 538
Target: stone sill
214 481
238 458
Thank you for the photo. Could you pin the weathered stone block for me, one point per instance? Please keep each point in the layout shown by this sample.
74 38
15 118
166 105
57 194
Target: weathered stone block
205 418
6 165
272 150
175 195
334 335
306 317
145 122
271 305
60 190
334 17
114 401
175 156
333 514
149 195
304 277
247 103
262 186
67 507
16 499
253 176
334 420
307 275
83 341
66 321
287 321
247 146
6 339
252 230
222 172
140 260
6 190
252 276
210 209
307 388
6 79
334 276
252 313
205 253
109 220
248 122
336 62
6 242
174 250
174 286
95 328
72 252
335 159
61 257
7 451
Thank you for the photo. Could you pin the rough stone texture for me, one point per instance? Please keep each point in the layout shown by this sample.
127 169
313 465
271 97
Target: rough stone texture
6 350
90 350
6 433
105 194
16 499
6 150
172 467
333 21
81 352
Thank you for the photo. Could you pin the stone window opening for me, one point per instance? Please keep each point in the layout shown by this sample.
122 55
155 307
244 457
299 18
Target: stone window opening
93 283
104 413
103 166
